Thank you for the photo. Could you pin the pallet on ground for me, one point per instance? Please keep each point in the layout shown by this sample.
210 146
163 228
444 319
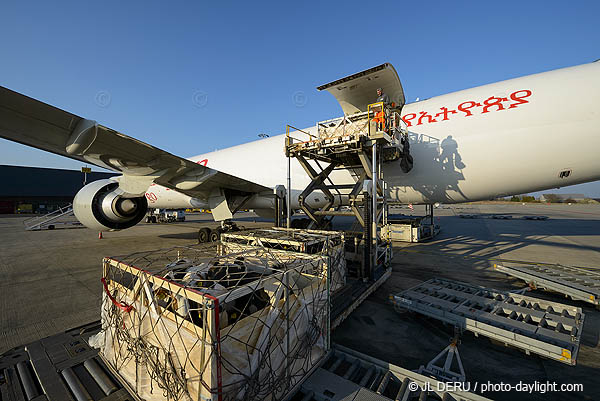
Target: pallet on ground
549 329
576 282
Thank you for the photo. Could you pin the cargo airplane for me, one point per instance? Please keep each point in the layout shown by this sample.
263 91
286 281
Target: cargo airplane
521 135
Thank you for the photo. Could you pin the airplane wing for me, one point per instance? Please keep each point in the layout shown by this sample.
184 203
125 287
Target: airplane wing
31 122
355 92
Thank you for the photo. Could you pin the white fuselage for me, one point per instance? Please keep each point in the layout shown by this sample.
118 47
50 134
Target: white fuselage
466 145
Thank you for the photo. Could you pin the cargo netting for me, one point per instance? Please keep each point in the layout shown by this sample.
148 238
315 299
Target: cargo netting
216 323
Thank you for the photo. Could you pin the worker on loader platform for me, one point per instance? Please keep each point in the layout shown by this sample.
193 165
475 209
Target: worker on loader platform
382 97
380 116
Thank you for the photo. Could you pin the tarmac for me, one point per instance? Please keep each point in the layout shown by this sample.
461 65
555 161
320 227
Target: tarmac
464 251
50 282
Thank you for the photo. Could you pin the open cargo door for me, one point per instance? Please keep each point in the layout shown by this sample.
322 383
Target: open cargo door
357 91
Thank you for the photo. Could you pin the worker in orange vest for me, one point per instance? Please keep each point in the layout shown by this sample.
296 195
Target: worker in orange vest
380 116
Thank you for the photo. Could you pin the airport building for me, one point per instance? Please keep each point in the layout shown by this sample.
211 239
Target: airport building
40 190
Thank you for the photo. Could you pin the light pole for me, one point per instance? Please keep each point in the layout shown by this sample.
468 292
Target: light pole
85 170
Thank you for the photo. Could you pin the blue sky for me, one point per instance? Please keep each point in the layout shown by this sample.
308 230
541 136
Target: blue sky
192 77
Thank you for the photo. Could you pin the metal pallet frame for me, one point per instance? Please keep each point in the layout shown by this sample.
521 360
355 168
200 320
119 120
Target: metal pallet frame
352 376
534 325
577 283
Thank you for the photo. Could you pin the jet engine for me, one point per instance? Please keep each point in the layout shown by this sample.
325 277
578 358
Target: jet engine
102 205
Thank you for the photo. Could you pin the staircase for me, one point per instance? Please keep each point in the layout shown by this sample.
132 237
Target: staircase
62 217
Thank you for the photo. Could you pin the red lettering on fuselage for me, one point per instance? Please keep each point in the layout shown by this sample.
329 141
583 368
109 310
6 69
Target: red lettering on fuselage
203 162
151 197
470 108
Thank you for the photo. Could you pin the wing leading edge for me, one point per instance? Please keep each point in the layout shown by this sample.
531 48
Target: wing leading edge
37 124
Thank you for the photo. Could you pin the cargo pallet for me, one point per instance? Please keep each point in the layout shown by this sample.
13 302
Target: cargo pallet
34 372
549 329
575 282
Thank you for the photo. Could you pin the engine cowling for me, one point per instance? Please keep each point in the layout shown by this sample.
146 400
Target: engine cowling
102 205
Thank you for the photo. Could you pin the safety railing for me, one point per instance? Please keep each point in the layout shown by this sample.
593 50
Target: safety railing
290 139
39 222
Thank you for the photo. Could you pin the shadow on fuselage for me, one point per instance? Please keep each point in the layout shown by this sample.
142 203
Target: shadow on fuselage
437 170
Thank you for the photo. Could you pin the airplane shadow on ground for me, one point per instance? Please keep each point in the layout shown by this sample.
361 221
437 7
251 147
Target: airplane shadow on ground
437 169
512 234
190 236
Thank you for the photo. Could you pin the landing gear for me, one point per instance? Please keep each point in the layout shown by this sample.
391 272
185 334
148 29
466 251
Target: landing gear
205 234
215 235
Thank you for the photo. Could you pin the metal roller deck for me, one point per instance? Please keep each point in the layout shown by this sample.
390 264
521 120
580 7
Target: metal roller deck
352 376
534 325
60 367
575 282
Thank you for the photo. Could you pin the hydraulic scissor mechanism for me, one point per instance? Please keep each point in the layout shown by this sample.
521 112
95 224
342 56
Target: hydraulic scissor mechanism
358 143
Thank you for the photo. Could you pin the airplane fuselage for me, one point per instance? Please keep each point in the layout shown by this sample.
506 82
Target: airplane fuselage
521 135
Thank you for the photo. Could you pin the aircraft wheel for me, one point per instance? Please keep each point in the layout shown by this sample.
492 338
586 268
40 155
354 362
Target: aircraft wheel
203 235
215 235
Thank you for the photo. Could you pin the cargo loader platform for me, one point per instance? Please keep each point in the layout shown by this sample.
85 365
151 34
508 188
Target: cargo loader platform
61 367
